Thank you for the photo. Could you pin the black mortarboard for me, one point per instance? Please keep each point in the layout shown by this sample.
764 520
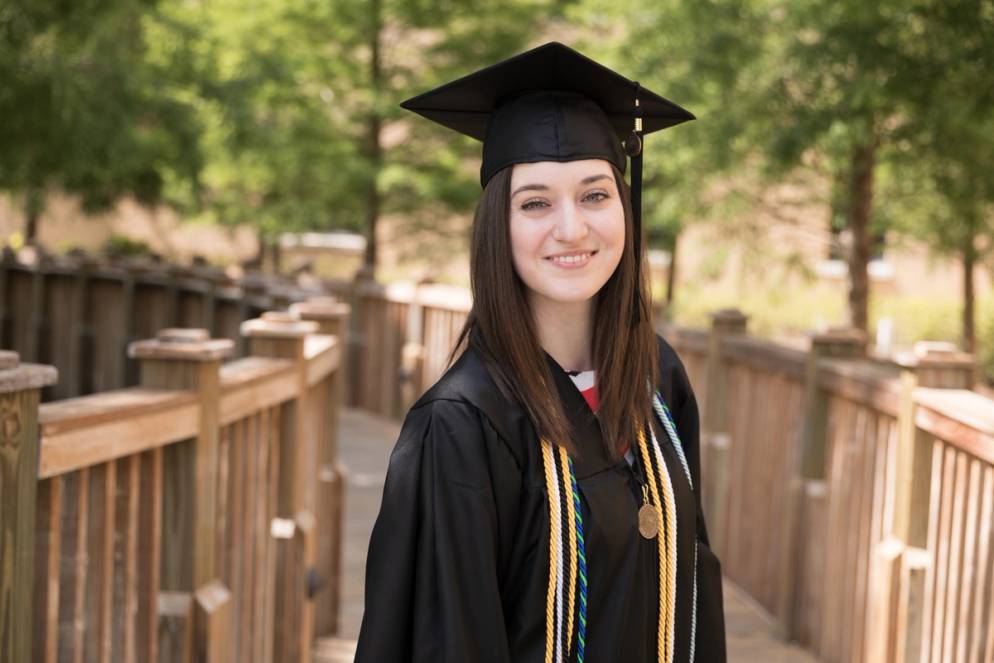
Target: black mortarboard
552 104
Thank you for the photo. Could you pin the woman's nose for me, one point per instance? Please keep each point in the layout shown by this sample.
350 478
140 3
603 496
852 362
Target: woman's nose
571 226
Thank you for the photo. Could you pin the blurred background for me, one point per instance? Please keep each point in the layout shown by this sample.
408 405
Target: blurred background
841 169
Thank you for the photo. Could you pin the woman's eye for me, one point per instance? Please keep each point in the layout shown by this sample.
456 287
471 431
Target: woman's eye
533 204
596 196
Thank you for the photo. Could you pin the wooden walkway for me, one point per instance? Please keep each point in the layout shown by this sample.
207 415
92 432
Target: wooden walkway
365 447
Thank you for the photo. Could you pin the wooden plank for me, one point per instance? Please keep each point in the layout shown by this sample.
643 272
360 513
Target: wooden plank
854 472
914 574
932 547
177 516
131 580
982 612
969 571
961 418
326 359
223 505
954 586
867 383
205 470
866 459
47 567
106 561
18 500
213 624
238 402
243 618
149 556
236 523
106 317
765 357
175 628
260 531
87 411
943 553
82 447
269 620
306 553
72 621
987 633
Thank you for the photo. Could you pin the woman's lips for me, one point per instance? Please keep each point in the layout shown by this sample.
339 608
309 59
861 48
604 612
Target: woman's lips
572 260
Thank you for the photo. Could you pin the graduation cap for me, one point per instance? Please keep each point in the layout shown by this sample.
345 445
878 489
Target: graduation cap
552 103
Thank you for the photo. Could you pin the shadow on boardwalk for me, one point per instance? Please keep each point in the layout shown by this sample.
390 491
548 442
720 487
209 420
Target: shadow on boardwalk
366 442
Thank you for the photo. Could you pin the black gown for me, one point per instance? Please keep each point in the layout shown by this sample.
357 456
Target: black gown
457 569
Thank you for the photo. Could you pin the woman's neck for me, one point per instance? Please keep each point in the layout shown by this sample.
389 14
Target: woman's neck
565 331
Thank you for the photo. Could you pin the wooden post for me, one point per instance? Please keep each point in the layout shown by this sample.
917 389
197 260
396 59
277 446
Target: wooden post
356 342
900 561
805 493
188 359
929 365
332 318
715 440
412 354
283 335
20 387
212 623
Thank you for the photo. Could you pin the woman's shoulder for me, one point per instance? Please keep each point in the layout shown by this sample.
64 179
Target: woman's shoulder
467 387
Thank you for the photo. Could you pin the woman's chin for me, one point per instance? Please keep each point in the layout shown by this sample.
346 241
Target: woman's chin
572 295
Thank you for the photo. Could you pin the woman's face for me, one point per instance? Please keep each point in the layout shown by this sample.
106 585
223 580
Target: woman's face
567 227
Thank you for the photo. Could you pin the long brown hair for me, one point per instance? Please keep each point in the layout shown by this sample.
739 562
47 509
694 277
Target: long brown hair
501 329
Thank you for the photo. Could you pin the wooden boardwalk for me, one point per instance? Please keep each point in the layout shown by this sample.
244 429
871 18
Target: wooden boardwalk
366 442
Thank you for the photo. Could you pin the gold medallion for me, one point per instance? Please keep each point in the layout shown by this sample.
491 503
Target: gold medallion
648 521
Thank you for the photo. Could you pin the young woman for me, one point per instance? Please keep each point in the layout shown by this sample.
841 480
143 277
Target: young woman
542 503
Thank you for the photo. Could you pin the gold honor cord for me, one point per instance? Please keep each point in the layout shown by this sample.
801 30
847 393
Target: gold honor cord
567 491
666 556
669 503
550 603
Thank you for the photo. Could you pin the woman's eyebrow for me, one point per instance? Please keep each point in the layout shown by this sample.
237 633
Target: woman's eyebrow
529 187
542 187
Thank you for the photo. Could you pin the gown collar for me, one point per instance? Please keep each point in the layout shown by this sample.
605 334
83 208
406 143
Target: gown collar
591 457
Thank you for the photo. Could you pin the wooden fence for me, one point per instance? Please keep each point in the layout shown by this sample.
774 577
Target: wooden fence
80 314
852 497
399 341
195 516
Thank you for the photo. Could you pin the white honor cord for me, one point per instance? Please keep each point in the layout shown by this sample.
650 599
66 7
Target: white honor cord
670 427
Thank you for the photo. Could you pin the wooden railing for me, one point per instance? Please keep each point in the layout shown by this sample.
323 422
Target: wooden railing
79 313
400 340
196 516
852 497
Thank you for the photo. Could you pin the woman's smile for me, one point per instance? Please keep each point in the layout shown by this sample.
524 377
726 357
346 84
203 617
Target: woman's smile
572 259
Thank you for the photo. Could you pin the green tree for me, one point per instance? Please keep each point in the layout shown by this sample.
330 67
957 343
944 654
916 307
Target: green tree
84 111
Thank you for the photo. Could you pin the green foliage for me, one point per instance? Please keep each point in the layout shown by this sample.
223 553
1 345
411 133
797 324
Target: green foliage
122 246
85 110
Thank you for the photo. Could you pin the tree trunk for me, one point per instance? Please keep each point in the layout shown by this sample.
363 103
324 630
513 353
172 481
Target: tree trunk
34 205
374 150
969 297
31 228
671 273
858 216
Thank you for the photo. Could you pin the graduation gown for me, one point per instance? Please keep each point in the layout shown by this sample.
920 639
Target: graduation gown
457 569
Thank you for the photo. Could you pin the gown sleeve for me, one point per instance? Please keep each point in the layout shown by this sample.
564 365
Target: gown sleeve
432 590
709 642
